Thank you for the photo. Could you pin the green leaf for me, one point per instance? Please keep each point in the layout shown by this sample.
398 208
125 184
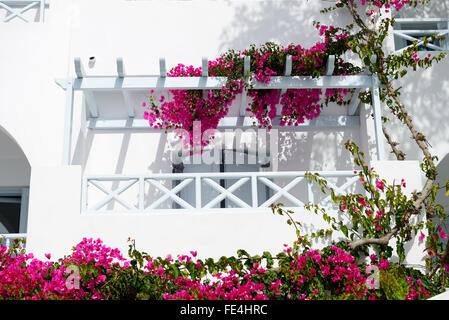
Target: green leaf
344 229
447 188
401 251
393 283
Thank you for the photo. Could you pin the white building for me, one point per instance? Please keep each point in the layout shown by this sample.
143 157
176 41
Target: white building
65 135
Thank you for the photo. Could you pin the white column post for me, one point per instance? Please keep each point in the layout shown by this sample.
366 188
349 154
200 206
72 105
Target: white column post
67 147
377 110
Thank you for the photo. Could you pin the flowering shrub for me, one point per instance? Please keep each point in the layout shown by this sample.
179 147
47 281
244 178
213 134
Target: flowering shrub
388 4
24 277
185 107
381 213
95 271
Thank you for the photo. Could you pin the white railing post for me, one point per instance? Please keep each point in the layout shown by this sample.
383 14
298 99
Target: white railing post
254 191
141 193
310 196
198 192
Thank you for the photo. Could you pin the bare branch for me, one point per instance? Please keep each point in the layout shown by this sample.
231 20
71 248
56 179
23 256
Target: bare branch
384 240
400 155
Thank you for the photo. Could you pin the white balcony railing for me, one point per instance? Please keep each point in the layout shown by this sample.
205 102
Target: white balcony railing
408 30
17 8
8 239
204 191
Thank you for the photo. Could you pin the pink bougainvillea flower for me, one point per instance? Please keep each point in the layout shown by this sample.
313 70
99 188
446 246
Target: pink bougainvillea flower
422 236
380 185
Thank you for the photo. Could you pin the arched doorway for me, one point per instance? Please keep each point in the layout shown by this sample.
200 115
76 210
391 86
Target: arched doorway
14 189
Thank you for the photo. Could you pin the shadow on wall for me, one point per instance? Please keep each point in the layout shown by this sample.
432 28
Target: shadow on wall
426 94
434 9
282 22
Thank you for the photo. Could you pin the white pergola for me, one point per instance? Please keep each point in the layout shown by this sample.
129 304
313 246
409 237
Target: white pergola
121 82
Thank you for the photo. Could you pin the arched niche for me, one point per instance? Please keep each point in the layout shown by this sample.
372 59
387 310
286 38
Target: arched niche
14 185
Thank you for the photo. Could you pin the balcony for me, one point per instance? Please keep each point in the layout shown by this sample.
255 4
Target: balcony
10 239
184 192
157 190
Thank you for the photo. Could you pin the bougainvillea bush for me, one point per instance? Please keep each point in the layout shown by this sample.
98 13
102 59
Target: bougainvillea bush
96 271
182 108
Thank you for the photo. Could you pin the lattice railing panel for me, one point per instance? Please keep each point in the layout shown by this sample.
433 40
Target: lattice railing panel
18 9
204 191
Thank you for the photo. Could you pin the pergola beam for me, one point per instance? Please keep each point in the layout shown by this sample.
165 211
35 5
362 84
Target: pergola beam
121 74
323 122
108 83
